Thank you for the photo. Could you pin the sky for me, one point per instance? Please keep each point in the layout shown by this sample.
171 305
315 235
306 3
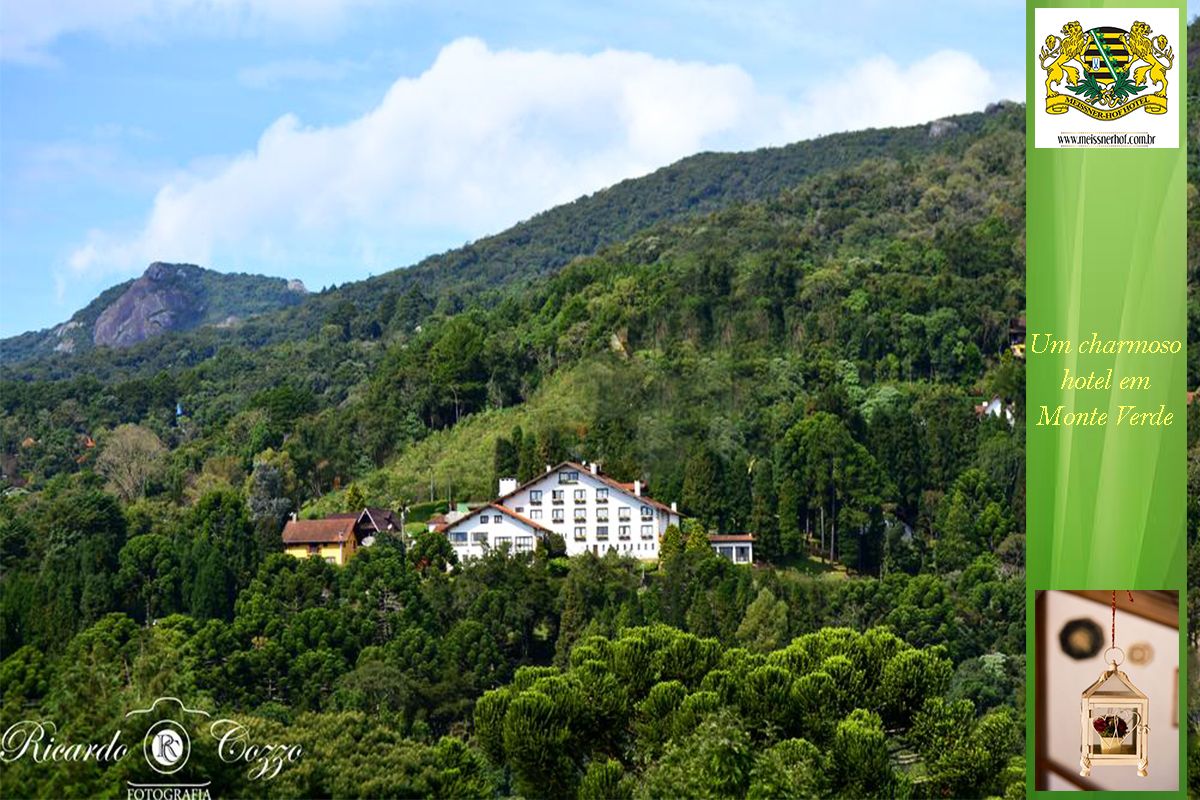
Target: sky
330 140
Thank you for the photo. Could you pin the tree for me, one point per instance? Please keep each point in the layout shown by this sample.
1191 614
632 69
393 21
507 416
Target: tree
431 550
702 488
672 543
764 514
271 489
354 500
132 457
764 627
505 460
150 573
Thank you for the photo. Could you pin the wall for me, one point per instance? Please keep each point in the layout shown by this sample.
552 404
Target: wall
1066 678
635 545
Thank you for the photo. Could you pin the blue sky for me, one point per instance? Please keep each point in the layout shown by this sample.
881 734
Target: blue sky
333 139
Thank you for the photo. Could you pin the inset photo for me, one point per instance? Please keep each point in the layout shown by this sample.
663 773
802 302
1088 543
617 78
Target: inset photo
1106 672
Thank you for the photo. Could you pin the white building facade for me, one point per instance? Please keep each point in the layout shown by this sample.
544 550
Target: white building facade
591 511
489 528
736 547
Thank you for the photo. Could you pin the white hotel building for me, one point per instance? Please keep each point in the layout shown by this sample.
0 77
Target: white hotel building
590 510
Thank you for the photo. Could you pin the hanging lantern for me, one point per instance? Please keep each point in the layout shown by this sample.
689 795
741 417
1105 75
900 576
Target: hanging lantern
1113 717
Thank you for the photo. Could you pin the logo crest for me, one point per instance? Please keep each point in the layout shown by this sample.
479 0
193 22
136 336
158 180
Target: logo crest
1106 72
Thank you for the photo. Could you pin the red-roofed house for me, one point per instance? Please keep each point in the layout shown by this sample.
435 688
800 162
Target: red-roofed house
491 527
331 539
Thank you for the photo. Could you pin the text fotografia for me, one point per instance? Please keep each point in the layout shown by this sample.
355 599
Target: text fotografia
168 793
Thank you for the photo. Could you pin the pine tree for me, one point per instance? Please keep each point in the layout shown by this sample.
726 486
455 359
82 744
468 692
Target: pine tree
672 542
505 460
701 494
764 513
791 538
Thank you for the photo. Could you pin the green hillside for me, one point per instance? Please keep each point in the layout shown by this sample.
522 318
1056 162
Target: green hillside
801 363
537 247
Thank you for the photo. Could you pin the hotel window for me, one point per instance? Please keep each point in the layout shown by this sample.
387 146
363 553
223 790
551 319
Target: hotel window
602 495
581 514
483 519
556 496
623 513
535 513
581 495
520 510
558 515
580 533
535 497
602 532
601 515
458 536
524 544
623 531
568 477
647 531
647 512
313 549
503 540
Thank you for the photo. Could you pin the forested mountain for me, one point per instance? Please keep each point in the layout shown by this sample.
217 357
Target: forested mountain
791 342
698 184
167 297
803 364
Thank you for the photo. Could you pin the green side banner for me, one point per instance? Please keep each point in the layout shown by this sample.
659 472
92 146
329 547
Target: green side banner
1105 346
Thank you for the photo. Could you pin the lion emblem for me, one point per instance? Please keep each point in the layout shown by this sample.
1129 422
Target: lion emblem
1062 52
1153 53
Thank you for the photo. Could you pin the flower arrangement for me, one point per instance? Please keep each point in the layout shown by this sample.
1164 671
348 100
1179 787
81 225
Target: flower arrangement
1112 730
1111 726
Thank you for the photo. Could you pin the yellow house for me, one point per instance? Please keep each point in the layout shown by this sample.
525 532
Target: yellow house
332 539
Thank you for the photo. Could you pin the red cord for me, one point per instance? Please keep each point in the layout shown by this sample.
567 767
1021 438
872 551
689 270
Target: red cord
1114 615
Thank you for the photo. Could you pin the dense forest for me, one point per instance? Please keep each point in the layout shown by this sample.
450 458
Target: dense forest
790 342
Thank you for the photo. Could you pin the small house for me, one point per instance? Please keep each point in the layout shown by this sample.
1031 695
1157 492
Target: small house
333 539
737 547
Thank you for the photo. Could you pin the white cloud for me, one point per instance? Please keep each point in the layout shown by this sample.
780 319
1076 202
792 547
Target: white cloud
485 138
30 27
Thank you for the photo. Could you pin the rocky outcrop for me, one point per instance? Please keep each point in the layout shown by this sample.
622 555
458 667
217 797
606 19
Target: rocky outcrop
163 299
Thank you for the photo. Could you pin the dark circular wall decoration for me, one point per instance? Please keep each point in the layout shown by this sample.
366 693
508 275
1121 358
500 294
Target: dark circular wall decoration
1081 638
